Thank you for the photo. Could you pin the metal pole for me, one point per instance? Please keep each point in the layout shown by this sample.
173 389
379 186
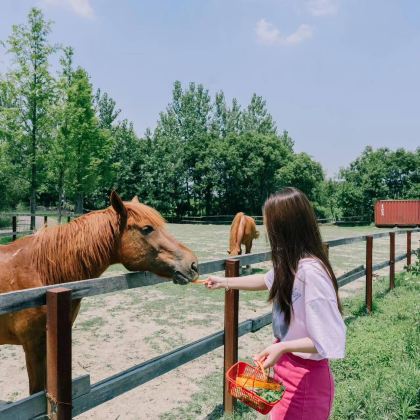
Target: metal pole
369 249
391 260
59 353
231 331
408 248
14 228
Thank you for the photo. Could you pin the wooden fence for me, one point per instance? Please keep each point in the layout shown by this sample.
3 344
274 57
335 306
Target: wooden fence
67 398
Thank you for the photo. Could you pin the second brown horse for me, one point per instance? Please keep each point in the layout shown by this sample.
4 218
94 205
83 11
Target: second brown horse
242 231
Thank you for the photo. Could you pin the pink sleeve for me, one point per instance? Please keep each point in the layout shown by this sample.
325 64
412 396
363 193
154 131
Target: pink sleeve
324 322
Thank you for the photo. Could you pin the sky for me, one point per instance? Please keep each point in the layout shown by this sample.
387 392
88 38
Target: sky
338 75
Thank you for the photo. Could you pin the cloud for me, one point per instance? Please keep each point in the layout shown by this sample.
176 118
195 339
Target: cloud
82 8
322 7
268 34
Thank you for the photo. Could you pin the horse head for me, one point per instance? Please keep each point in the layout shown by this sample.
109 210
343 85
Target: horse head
146 245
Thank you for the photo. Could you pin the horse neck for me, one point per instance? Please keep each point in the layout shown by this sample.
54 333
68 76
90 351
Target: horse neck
82 249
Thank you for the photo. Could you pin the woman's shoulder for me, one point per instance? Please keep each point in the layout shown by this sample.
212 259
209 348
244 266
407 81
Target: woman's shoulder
311 264
316 278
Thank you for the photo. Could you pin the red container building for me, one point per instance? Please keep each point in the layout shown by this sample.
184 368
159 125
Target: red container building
402 213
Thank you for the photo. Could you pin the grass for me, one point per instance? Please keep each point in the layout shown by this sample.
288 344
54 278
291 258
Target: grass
378 379
380 376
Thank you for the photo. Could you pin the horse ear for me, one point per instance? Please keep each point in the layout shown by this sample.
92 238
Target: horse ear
118 205
135 200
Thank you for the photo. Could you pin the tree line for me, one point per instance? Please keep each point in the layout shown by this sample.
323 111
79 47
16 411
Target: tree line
63 144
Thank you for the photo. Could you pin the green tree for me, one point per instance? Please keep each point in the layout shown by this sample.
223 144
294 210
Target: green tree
377 175
106 109
89 146
60 152
256 117
29 46
302 172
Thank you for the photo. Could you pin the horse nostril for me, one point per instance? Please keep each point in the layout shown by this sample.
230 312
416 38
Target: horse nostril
194 266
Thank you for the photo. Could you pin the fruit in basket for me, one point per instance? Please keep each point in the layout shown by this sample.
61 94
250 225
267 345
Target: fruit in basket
249 382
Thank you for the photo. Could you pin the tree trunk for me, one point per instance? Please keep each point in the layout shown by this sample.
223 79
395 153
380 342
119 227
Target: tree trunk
60 195
79 203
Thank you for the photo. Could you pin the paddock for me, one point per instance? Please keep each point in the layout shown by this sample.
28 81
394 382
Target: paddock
149 321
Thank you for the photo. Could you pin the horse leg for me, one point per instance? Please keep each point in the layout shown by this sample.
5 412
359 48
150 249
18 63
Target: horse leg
35 352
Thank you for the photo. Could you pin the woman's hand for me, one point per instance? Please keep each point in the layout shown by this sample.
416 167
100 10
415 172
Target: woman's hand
270 355
215 282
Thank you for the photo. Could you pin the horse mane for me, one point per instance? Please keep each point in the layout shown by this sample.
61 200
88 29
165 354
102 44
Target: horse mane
233 240
85 247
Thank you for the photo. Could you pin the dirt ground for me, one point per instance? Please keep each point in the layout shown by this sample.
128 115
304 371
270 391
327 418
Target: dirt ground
116 331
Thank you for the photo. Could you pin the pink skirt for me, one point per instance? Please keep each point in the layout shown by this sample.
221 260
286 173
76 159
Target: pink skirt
309 389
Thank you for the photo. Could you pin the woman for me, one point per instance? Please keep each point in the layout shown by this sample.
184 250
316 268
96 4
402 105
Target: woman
307 322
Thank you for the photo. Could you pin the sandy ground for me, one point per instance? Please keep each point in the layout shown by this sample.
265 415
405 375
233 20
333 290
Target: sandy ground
116 331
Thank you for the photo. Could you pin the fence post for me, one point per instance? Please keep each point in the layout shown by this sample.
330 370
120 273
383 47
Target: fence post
45 220
33 221
326 247
14 227
369 251
59 354
408 248
231 331
391 260
68 219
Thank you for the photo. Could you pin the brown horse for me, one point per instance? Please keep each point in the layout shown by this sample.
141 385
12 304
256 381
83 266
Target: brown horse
129 233
242 231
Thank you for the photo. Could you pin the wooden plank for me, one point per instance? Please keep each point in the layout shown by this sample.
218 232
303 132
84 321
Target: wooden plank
28 298
15 232
231 332
59 350
345 241
36 405
379 266
369 269
350 276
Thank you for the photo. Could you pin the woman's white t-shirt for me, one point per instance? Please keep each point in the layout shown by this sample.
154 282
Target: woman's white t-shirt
315 312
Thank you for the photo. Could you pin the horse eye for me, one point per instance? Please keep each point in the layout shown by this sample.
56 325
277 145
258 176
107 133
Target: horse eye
146 230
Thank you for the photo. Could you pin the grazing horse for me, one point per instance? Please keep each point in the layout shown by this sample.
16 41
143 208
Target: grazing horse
242 231
129 233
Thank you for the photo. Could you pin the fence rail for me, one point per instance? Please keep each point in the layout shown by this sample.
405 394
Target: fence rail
86 396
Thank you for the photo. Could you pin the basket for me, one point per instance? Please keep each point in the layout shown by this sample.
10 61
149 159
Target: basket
243 379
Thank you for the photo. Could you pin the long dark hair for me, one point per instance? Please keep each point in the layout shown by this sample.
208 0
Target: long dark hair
294 234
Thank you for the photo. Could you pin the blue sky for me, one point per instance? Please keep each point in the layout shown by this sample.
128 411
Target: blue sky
337 74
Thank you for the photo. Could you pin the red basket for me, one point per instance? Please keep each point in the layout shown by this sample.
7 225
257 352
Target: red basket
242 392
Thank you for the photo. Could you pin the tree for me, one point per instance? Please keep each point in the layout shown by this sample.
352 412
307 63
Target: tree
89 146
106 109
302 172
377 175
60 153
33 89
256 117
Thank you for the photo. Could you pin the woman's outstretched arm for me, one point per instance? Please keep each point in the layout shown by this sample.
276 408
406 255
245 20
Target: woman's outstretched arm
252 282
